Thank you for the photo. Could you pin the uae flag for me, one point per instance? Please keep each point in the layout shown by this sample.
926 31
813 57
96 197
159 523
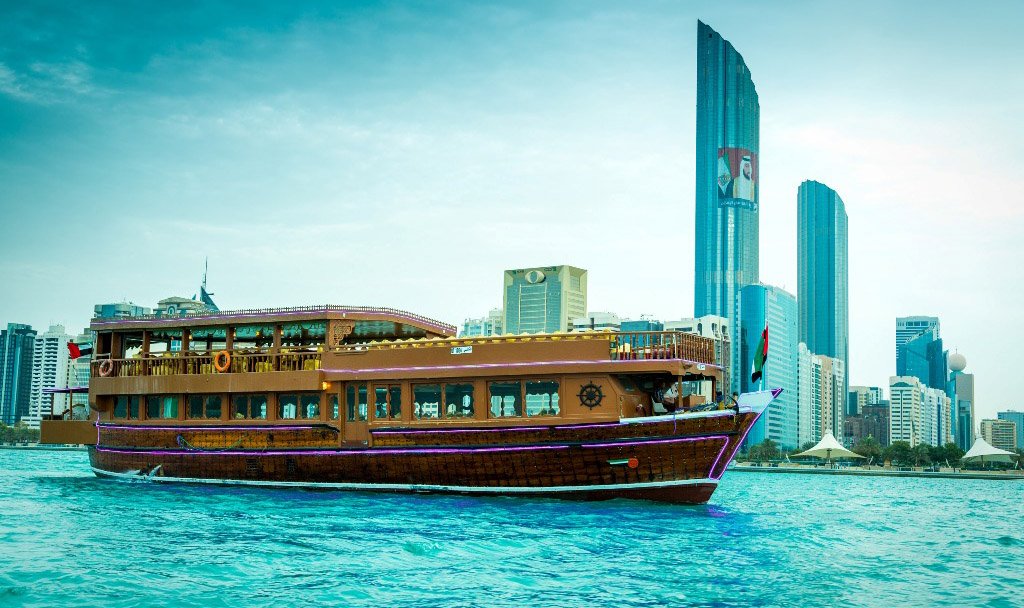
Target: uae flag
760 356
76 350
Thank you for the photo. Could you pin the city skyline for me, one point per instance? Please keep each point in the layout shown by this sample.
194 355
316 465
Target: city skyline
258 139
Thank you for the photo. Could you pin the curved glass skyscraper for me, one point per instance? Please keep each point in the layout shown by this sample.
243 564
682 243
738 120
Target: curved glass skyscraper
728 134
822 274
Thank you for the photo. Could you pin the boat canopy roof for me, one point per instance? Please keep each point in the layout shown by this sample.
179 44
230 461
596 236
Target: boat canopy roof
368 321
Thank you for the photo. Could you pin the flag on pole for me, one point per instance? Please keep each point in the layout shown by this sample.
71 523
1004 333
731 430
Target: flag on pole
760 356
77 351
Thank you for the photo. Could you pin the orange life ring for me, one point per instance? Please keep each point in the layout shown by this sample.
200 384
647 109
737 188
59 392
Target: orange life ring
106 367
222 361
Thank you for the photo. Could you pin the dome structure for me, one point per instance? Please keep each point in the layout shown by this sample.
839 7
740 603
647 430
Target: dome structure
957 362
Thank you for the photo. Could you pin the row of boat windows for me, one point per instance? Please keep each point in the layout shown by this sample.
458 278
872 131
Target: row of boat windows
292 406
429 402
453 400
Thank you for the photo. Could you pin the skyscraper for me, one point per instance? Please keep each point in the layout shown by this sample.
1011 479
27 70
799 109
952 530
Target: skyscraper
908 328
763 306
16 348
906 407
728 135
1018 419
544 299
822 284
961 394
923 357
49 370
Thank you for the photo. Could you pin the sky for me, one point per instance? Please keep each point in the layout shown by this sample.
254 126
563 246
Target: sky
404 154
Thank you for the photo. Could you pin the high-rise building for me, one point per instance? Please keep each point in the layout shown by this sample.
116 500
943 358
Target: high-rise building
873 421
859 397
908 328
822 272
821 403
538 300
923 357
17 344
961 394
49 370
119 310
1018 419
763 306
597 321
935 417
78 375
906 409
1000 434
491 325
728 135
641 324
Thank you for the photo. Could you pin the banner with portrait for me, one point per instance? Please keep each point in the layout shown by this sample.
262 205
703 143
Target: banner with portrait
737 178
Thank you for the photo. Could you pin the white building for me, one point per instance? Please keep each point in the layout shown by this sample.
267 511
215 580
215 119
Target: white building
597 321
906 404
935 413
78 375
1000 434
49 370
483 326
708 326
820 398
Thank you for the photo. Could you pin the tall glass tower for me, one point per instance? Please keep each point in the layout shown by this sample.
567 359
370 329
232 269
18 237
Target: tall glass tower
728 134
822 274
763 306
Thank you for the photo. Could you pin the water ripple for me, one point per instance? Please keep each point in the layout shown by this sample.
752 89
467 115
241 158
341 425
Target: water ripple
67 537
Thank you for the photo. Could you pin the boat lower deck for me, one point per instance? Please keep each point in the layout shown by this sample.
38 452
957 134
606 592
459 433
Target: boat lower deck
676 459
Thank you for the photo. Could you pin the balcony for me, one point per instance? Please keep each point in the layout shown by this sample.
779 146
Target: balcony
241 362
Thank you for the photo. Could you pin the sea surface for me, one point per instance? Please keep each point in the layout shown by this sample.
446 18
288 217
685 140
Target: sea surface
68 538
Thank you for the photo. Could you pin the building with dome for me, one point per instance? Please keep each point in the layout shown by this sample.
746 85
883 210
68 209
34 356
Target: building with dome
960 390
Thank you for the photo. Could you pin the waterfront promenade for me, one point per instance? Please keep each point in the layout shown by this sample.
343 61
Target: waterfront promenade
861 471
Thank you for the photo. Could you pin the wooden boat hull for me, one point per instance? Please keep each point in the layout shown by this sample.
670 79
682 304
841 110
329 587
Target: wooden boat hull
666 459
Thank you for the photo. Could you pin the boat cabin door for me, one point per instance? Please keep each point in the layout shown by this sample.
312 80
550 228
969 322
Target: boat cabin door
356 410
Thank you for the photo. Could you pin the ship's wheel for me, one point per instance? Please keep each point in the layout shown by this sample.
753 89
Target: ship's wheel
590 395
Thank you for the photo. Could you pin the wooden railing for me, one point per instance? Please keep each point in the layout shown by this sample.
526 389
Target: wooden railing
665 345
622 345
294 310
202 363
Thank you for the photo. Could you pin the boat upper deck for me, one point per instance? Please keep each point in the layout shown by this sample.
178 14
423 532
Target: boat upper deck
312 348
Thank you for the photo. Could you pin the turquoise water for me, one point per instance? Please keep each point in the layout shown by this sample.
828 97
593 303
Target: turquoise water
68 538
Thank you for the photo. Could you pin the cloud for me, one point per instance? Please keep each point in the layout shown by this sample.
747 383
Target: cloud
48 83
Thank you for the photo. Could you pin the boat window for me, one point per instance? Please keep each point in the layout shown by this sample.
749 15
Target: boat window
131 344
356 402
250 337
164 340
387 402
249 407
334 407
134 401
287 407
426 401
309 405
506 399
161 406
204 406
205 339
542 398
312 333
458 400
121 406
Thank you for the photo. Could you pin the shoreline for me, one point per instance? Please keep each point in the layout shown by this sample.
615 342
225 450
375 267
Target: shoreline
857 472
43 448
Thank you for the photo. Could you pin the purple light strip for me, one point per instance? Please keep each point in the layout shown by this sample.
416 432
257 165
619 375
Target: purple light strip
282 313
207 428
423 368
653 441
496 429
372 452
734 450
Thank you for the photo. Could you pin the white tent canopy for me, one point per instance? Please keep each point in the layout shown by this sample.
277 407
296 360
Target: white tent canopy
983 450
829 448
